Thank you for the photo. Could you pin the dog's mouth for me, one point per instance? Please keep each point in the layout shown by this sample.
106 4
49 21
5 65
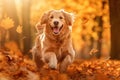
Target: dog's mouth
56 29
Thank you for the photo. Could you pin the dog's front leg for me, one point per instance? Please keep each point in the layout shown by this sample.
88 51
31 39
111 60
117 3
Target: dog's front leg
67 60
64 64
51 58
37 57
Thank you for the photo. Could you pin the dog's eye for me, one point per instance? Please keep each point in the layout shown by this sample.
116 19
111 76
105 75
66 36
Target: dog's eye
61 17
51 17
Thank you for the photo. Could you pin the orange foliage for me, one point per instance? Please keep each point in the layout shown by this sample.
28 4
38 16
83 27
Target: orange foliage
87 24
91 28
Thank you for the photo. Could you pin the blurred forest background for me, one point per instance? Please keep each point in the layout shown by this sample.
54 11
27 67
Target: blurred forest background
91 29
95 35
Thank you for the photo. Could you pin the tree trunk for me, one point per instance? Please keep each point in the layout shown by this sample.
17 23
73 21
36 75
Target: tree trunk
100 36
26 25
115 28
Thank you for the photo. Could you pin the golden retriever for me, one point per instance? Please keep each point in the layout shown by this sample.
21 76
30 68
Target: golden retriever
54 44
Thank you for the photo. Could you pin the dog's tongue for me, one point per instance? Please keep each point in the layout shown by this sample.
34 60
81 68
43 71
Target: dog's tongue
55 30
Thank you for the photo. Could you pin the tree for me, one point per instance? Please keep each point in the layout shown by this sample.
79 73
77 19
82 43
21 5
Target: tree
26 25
10 11
115 28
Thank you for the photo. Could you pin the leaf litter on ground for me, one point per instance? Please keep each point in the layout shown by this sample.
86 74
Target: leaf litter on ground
23 68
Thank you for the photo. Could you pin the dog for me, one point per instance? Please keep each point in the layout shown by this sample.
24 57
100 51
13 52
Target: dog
54 44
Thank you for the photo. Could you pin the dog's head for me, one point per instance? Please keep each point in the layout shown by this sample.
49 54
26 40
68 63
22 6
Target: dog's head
56 20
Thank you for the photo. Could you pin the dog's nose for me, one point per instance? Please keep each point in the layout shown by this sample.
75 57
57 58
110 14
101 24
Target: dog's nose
56 22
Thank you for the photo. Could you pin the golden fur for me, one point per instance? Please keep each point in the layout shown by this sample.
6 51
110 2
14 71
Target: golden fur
54 44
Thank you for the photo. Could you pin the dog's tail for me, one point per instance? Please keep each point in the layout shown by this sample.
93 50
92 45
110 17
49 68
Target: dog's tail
40 28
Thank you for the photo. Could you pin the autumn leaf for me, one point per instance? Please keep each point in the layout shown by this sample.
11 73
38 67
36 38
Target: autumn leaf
19 29
7 23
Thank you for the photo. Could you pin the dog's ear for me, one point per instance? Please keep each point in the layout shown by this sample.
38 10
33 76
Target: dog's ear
40 25
69 17
44 17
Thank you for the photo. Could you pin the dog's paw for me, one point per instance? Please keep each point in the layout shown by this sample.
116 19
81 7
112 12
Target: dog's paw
53 66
